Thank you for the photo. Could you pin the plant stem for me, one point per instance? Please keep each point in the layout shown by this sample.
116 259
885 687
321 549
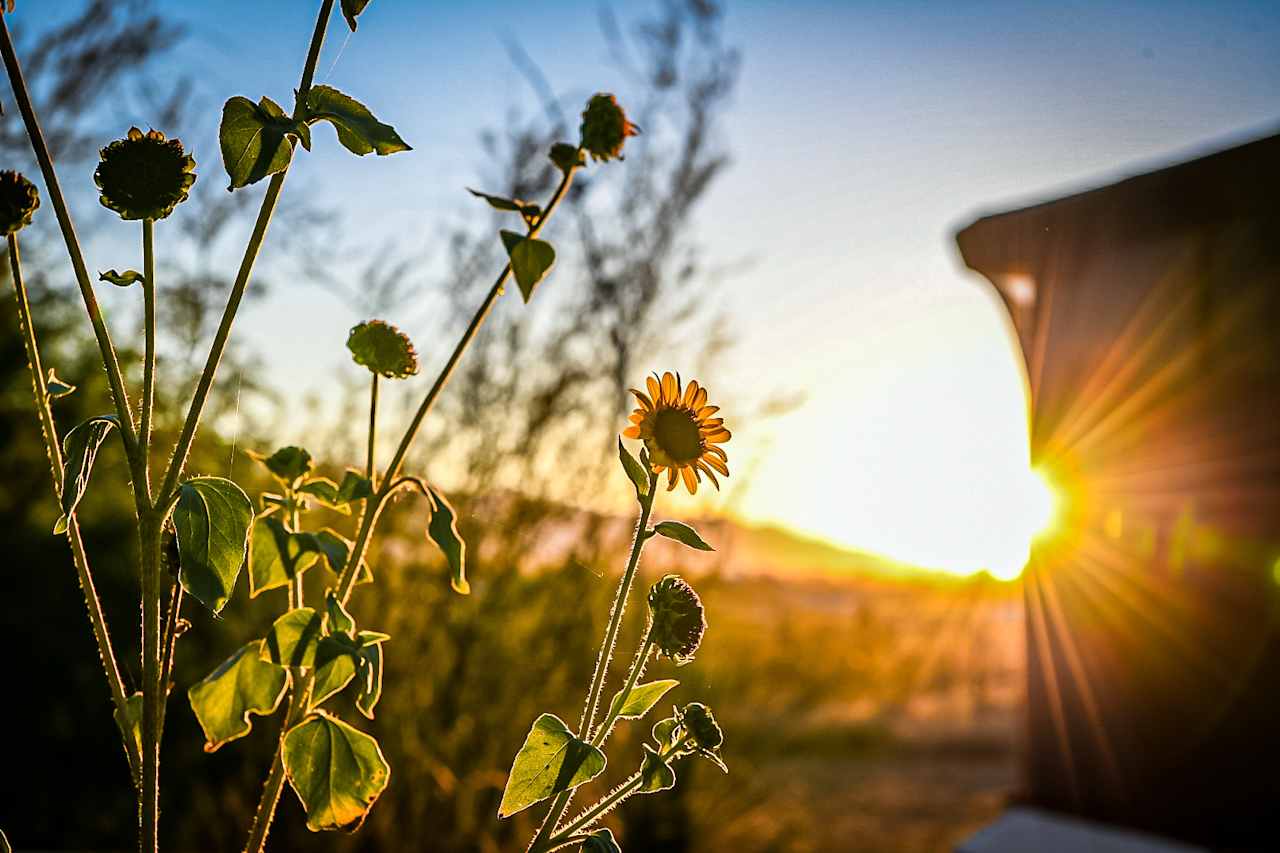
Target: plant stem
374 504
637 669
97 619
149 355
262 818
561 802
168 644
295 583
369 471
149 528
269 201
109 360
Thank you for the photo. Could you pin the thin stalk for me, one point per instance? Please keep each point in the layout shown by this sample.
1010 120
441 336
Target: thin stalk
295 583
369 471
168 644
266 811
97 619
256 239
109 360
149 353
370 519
561 802
149 528
637 670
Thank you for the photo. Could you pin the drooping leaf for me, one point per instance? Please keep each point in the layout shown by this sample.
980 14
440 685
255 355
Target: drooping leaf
531 260
336 551
326 492
131 722
335 667
287 464
294 638
526 209
552 760
212 518
600 841
371 673
682 533
443 530
277 556
358 130
351 10
243 684
655 774
336 770
340 621
642 699
354 487
635 471
664 732
371 638
121 279
79 450
55 387
254 140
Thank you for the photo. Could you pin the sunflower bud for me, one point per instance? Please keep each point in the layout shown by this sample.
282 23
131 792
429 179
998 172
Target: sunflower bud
383 349
676 619
144 175
605 127
697 720
19 199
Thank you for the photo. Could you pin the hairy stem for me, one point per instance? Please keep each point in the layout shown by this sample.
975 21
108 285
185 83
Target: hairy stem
369 471
637 670
301 696
168 644
97 619
109 359
561 802
149 528
269 201
149 354
295 582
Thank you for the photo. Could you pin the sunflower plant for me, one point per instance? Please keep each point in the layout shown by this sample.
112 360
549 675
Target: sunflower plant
682 439
198 533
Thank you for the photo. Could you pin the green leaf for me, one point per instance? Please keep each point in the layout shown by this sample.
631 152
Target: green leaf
287 464
254 140
358 130
642 699
325 491
513 205
131 723
294 638
277 556
335 667
336 770
244 684
212 518
443 530
372 638
55 387
552 760
600 841
79 450
664 732
635 471
371 686
121 279
531 260
682 533
337 551
340 621
655 774
351 10
354 487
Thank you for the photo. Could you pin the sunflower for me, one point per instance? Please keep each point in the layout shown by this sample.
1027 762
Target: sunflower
680 432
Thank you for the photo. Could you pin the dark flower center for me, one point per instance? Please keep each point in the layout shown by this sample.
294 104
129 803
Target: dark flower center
677 433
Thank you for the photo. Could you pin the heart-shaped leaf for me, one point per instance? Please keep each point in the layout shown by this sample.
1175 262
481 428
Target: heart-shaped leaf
212 519
641 699
371 685
294 638
335 667
336 770
243 684
277 556
655 774
531 260
443 530
552 760
682 533
354 487
254 140
358 130
337 550
79 450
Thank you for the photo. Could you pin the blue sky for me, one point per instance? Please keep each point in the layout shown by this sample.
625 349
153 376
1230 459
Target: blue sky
862 135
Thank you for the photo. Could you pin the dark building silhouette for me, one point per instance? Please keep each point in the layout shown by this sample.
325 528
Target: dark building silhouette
1149 315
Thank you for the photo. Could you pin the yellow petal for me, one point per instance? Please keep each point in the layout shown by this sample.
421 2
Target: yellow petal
645 402
716 451
670 388
631 432
699 399
655 388
712 423
719 437
707 411
718 464
689 393
671 479
690 479
702 466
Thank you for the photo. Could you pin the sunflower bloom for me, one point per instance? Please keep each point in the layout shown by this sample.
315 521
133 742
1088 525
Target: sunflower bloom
680 431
